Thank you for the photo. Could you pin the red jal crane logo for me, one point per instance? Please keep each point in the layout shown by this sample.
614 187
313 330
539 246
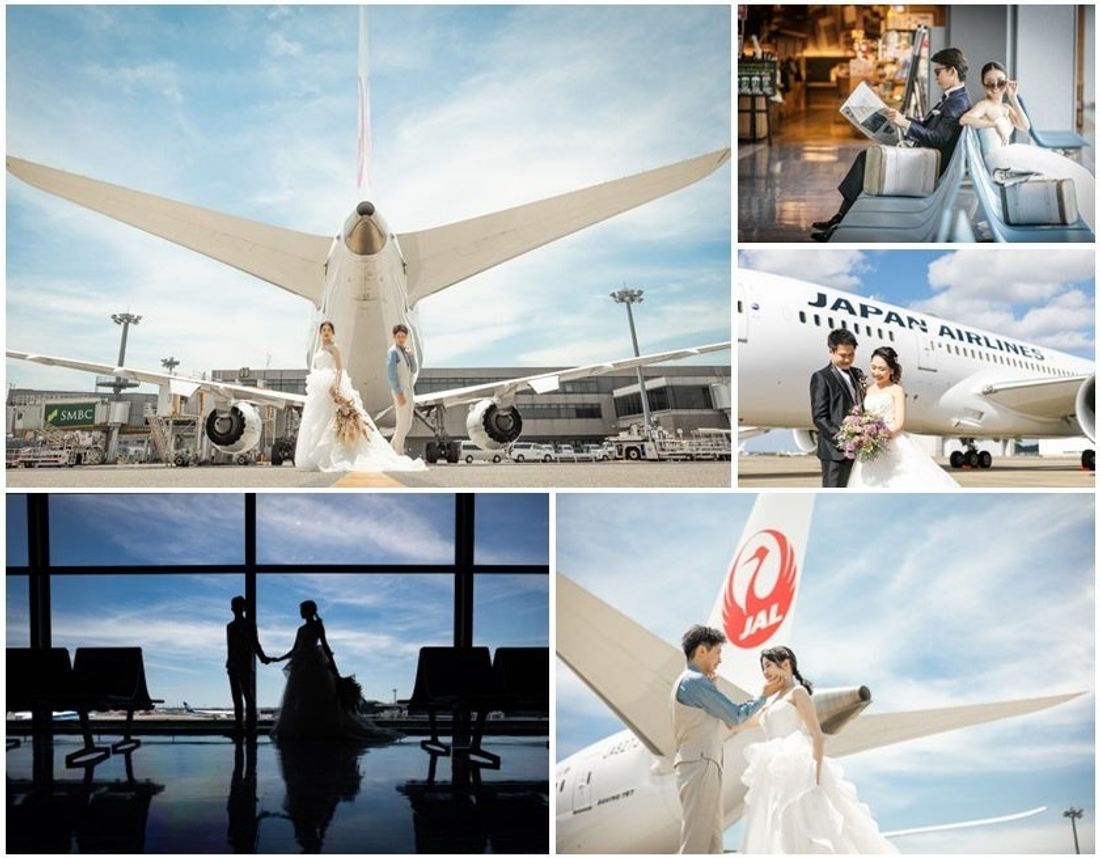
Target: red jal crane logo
759 589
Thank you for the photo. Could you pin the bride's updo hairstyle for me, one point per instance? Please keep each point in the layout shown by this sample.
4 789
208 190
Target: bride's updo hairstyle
891 358
779 654
309 607
993 66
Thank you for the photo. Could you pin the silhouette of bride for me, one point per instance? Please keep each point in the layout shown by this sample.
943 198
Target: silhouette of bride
318 703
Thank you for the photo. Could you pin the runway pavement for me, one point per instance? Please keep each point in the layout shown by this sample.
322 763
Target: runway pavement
1013 472
475 476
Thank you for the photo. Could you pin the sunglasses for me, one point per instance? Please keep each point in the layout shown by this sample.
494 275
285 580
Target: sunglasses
996 85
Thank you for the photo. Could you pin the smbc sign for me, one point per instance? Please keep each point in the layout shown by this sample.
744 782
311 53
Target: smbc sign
71 414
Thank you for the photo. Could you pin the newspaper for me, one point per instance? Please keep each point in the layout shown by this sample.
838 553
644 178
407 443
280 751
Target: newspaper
867 112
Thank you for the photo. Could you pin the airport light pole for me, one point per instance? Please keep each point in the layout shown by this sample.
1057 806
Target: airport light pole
124 319
630 297
1074 813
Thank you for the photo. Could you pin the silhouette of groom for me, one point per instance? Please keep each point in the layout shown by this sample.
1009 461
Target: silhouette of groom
241 646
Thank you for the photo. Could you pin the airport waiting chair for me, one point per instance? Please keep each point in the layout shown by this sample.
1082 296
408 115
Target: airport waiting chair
37 677
522 677
459 681
1066 141
988 193
107 679
907 219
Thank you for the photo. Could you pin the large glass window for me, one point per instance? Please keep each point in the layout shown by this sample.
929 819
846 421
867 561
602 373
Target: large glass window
17 614
17 530
375 625
146 529
511 610
512 528
177 620
355 528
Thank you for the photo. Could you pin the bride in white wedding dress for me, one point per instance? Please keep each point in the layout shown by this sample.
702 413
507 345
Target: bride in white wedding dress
902 464
992 112
315 705
797 799
319 446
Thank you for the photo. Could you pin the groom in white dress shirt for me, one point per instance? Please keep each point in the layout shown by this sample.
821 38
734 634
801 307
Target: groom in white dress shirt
700 714
400 371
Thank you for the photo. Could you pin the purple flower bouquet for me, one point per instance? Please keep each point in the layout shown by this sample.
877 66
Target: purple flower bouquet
863 435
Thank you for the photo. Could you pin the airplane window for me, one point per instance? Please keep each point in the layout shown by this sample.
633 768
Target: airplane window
802 316
880 336
740 307
832 326
844 324
817 320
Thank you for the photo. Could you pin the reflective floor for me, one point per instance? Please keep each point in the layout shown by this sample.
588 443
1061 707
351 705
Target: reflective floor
785 187
208 795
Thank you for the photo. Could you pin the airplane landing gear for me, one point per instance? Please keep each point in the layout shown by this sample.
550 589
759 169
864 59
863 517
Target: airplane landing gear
1088 460
972 458
443 448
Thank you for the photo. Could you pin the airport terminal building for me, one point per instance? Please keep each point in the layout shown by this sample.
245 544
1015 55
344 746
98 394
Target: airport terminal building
682 400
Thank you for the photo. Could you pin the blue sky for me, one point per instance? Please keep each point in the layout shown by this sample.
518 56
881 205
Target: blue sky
376 623
251 110
1046 298
930 600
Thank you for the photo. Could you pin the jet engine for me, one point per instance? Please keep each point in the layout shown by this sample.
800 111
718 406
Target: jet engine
492 427
836 707
1085 408
235 430
806 439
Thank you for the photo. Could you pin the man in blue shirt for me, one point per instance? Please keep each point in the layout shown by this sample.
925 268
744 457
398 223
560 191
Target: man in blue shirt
401 371
700 714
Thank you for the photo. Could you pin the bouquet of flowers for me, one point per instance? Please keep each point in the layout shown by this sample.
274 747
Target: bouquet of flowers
862 434
349 692
350 424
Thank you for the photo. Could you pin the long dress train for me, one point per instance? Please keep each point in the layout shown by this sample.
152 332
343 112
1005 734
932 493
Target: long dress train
902 464
786 811
311 708
318 447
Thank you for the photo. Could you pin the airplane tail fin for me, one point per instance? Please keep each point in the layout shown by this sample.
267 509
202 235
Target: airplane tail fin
364 161
288 259
440 257
755 606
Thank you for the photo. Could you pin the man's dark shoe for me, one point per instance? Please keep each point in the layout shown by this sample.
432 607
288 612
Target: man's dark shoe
823 225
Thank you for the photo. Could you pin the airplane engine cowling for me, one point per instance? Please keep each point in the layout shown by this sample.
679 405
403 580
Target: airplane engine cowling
492 427
836 707
236 430
1085 408
806 439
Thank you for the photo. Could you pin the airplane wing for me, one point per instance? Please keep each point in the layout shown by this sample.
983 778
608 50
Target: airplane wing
440 257
891 728
179 385
548 382
628 667
1040 397
288 259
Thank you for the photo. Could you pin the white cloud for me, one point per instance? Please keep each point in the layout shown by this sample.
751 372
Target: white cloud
841 269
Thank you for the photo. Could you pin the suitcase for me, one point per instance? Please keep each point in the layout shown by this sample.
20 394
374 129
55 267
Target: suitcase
1039 201
896 171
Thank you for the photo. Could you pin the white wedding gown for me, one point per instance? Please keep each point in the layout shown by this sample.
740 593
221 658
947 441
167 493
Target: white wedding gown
310 707
318 447
786 811
902 464
1000 154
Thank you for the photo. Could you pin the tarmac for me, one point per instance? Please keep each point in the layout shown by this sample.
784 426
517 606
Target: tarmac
478 475
1014 472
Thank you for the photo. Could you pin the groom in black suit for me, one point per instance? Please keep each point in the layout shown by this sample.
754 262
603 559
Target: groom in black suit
940 129
834 391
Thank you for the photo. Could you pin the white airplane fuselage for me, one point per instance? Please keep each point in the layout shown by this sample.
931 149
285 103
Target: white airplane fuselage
782 325
365 295
618 797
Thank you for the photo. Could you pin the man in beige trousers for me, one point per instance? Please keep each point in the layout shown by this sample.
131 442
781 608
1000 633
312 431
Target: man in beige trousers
700 717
